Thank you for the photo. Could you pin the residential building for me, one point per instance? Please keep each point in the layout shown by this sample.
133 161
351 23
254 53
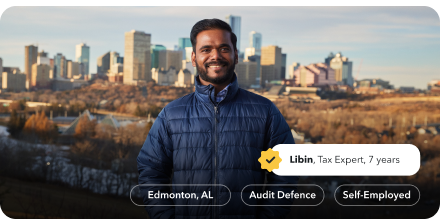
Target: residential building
316 75
82 56
14 81
255 41
184 78
103 63
30 58
188 65
137 57
434 86
164 77
235 23
271 55
168 58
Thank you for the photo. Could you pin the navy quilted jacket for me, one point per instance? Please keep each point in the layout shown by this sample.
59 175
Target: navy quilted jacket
196 141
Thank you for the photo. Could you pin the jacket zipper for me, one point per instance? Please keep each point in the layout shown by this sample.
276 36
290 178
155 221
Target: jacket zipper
215 161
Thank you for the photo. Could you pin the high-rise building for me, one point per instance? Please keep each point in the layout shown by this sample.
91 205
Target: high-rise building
184 42
137 57
72 69
188 52
235 23
113 58
82 55
30 58
57 65
283 66
343 68
271 55
42 58
103 63
41 75
1 66
169 58
246 73
63 67
13 81
155 48
255 41
292 69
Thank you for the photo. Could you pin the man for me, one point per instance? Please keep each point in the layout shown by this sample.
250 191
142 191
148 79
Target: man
213 138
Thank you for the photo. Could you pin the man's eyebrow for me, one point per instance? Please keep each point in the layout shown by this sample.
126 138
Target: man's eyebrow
225 45
205 46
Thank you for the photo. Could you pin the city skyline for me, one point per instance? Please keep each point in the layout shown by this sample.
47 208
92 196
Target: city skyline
393 43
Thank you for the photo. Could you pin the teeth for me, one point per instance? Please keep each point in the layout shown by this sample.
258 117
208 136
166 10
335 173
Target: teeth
215 66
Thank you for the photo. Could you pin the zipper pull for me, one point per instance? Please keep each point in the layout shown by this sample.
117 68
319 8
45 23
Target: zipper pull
215 109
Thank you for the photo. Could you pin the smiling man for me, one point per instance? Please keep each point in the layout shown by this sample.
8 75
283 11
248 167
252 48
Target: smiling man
209 142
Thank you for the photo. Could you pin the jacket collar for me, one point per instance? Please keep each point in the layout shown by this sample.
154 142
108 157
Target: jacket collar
204 92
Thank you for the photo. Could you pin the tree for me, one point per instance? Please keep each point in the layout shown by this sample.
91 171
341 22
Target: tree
85 128
41 127
16 124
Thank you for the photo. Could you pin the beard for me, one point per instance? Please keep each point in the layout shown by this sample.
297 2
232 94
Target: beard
203 72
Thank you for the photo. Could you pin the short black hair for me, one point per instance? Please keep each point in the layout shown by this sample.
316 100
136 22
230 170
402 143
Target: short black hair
211 24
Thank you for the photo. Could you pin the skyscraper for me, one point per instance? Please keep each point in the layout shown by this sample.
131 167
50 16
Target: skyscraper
155 48
271 55
184 42
255 40
169 58
57 69
235 23
137 57
283 66
343 68
1 66
30 58
82 55
113 58
103 63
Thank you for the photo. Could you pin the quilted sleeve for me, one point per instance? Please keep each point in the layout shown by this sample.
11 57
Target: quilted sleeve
277 132
155 166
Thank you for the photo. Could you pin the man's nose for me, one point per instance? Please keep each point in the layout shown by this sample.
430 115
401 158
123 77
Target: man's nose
216 55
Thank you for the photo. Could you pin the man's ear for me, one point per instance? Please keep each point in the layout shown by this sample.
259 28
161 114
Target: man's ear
193 59
236 57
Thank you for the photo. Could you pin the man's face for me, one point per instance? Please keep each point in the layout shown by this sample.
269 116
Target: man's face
214 56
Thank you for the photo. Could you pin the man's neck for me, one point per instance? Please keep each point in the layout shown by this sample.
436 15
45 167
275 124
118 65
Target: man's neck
218 87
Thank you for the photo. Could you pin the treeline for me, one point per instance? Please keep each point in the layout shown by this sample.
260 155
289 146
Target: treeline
149 98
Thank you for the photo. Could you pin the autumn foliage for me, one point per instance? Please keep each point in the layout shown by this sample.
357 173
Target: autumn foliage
40 126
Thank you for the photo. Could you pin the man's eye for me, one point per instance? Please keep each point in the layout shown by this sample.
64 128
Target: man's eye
205 50
225 49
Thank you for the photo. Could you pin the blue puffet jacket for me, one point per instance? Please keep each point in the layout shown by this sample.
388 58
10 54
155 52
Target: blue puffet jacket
198 145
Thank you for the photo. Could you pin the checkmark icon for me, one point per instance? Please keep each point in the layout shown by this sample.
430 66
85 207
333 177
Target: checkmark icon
269 161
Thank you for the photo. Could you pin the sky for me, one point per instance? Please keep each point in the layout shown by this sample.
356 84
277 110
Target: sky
397 44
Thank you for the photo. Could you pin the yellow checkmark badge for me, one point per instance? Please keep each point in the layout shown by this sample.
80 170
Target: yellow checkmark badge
270 160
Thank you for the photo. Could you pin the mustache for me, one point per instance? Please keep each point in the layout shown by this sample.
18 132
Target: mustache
216 63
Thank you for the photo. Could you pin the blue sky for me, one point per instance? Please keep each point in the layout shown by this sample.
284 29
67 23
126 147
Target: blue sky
399 44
